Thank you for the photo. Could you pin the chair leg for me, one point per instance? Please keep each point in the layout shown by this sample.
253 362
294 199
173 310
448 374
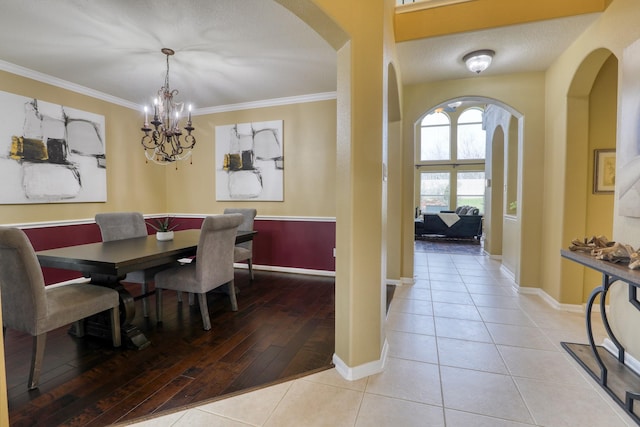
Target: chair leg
115 326
37 355
232 296
145 303
191 298
158 305
204 311
179 296
79 328
250 269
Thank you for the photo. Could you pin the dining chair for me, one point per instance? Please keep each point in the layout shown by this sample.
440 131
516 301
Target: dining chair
244 251
212 268
127 225
31 307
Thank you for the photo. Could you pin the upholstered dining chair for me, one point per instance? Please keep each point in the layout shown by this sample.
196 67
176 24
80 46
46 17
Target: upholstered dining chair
28 306
127 225
212 268
244 251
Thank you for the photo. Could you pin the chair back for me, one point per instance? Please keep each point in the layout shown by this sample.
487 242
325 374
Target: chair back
248 215
21 282
121 225
214 256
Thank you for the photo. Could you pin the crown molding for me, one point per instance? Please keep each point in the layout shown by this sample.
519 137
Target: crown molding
83 90
268 103
54 81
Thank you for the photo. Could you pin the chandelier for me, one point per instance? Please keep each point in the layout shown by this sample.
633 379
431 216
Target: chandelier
163 144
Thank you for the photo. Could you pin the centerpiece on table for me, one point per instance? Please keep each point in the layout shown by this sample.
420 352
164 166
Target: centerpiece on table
164 228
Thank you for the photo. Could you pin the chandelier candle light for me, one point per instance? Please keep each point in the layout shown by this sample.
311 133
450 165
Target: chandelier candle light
162 144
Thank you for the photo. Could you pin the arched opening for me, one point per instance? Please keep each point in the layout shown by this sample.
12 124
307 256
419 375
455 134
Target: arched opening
502 167
591 126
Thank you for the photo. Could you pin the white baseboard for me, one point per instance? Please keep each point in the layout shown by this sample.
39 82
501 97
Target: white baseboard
630 361
402 281
574 308
364 370
308 271
508 272
407 281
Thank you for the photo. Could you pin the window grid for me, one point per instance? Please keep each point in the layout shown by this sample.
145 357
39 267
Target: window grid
463 165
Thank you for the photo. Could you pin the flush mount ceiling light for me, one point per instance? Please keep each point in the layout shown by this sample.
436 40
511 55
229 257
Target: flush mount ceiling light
479 60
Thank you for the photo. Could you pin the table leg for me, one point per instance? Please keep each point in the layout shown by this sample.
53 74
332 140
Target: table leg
99 325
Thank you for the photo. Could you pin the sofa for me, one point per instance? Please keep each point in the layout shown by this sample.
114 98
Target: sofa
463 223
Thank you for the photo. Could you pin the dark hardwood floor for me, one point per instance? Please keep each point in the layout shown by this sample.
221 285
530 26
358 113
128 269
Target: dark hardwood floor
284 328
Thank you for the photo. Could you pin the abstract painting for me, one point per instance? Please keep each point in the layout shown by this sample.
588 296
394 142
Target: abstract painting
50 153
250 162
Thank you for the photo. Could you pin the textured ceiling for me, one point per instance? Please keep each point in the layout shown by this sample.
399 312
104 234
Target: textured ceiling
519 48
230 51
227 51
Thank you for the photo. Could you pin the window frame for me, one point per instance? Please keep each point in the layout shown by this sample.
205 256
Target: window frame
453 165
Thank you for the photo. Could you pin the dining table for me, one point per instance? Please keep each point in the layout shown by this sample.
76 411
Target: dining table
107 264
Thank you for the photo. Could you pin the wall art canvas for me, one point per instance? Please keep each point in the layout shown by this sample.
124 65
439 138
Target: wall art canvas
249 161
604 171
50 153
627 186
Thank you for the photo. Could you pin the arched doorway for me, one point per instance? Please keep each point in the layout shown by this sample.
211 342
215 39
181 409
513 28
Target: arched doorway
504 130
591 125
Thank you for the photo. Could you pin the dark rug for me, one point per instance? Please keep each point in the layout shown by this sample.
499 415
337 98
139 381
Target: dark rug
441 245
439 238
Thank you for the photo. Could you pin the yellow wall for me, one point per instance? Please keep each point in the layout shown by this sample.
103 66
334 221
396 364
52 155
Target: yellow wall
309 163
477 15
133 184
603 103
361 115
614 31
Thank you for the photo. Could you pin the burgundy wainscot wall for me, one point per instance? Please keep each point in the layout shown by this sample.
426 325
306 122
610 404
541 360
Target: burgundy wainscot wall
295 244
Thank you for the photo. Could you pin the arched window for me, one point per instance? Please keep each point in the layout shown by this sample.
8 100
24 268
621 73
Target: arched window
435 133
452 159
471 137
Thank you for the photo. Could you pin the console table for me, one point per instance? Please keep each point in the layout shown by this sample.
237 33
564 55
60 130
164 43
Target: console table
620 382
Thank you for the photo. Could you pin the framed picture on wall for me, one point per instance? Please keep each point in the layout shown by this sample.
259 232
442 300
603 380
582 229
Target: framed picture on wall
604 171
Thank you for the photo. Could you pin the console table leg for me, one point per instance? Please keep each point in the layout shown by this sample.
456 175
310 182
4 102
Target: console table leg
603 369
606 284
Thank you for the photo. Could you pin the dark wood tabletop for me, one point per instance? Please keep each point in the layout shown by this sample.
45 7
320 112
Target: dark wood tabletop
119 257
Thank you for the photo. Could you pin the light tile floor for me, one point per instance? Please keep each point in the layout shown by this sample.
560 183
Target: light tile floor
465 349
